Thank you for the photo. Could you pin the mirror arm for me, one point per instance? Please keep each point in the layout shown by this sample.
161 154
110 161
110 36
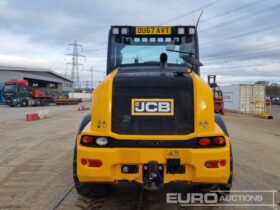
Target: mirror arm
178 51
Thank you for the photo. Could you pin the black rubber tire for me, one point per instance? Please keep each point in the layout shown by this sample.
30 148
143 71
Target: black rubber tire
86 189
84 123
231 168
225 188
219 120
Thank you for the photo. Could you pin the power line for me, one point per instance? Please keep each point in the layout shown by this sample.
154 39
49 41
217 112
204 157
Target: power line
192 11
97 58
58 62
85 83
264 29
244 17
95 46
264 46
237 55
269 54
96 49
245 71
239 66
231 11
91 74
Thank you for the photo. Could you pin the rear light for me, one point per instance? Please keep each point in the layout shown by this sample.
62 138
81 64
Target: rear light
91 163
223 162
115 31
94 163
191 31
219 141
101 141
124 31
84 161
215 163
181 31
87 139
215 141
204 142
130 169
212 164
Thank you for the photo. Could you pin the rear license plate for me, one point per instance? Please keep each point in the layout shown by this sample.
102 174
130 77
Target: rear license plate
153 30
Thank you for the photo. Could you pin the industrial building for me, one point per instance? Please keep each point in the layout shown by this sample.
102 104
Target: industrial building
45 79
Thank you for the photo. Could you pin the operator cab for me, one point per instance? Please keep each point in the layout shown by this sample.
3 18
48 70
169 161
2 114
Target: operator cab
144 46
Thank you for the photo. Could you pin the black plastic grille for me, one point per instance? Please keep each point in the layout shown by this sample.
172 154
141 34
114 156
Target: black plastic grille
178 88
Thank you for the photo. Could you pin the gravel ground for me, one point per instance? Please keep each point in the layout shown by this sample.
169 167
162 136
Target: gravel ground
11 113
36 162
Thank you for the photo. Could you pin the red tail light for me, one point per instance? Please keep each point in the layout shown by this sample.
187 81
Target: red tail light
95 163
219 140
204 142
84 161
223 162
215 163
212 164
87 139
91 163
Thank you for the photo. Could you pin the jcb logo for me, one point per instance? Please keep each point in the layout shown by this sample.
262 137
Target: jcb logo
152 107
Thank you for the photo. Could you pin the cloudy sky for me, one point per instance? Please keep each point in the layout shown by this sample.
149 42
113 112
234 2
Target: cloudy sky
239 39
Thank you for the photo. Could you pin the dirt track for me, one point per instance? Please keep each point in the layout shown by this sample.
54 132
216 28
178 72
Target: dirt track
36 163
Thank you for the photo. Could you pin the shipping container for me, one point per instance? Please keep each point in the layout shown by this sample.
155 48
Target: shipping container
244 98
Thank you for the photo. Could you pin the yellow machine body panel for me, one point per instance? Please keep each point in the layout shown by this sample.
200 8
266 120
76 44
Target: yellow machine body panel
113 158
101 113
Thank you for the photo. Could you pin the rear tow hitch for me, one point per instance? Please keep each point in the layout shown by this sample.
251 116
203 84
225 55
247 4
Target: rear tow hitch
152 176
